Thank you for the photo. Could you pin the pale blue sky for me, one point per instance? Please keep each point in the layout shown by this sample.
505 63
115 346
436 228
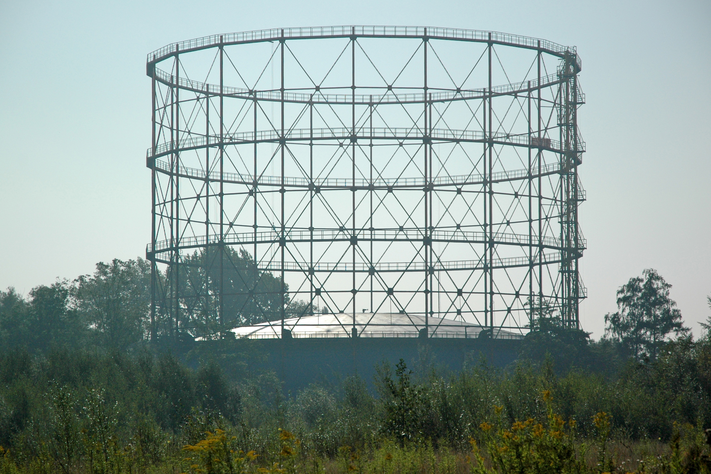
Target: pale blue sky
75 124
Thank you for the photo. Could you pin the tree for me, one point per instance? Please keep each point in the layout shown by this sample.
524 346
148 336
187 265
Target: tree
401 402
14 322
646 316
548 335
50 322
249 295
707 324
115 301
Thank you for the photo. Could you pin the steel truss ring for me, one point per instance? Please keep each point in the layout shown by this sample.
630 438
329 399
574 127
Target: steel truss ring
350 184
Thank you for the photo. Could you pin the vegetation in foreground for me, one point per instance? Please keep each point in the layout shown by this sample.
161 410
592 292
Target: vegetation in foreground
79 412
82 391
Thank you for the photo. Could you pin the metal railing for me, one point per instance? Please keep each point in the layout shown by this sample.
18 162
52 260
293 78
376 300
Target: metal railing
456 180
399 134
276 34
391 96
329 235
498 262
438 334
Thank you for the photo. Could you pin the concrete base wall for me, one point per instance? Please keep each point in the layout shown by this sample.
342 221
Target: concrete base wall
299 362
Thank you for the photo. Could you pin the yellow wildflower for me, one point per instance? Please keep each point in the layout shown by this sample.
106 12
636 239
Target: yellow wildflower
601 420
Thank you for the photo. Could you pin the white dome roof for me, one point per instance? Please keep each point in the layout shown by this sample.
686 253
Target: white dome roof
367 325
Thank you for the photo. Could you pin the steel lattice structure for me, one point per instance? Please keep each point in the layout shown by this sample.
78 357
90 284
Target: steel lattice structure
425 171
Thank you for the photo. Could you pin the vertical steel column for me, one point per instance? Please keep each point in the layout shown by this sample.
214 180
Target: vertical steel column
354 239
486 214
433 256
154 268
179 232
312 270
563 121
490 192
255 174
282 191
569 203
530 209
255 217
171 183
427 241
371 191
539 158
206 283
175 198
575 323
221 243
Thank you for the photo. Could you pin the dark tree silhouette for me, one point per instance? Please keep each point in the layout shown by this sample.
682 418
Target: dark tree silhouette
229 283
115 301
548 336
646 316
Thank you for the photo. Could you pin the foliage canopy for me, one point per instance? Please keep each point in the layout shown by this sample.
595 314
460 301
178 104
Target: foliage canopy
646 316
